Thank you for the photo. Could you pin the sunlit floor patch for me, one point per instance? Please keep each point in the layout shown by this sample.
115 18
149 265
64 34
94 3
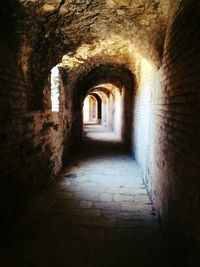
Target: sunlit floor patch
100 132
101 218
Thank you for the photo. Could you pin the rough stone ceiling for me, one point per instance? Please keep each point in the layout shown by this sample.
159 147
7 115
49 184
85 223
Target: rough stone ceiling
56 27
105 76
107 51
106 89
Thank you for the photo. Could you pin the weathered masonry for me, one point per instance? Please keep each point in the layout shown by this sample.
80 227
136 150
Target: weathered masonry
141 59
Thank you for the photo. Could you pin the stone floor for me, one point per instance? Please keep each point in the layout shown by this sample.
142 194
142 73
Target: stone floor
98 132
97 215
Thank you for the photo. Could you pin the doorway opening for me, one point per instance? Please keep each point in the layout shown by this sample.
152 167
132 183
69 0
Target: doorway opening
102 112
92 109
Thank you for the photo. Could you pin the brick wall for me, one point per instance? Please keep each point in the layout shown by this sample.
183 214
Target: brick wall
166 132
32 143
142 120
176 135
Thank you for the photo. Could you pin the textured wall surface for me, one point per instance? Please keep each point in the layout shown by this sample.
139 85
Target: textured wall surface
176 137
31 142
142 120
149 48
166 133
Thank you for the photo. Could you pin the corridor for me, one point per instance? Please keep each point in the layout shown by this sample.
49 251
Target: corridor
99 136
98 214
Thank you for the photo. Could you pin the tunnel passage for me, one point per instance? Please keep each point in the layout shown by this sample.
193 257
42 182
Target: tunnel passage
158 41
122 80
92 109
99 106
109 106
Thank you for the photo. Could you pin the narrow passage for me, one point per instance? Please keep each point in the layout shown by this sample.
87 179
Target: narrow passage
98 214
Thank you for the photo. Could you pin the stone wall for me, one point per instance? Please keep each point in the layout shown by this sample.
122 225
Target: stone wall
34 140
31 141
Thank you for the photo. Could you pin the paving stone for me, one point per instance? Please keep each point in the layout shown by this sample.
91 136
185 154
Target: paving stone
107 205
87 195
102 218
123 197
106 197
85 204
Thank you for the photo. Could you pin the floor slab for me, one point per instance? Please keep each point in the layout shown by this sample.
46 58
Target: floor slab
97 213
